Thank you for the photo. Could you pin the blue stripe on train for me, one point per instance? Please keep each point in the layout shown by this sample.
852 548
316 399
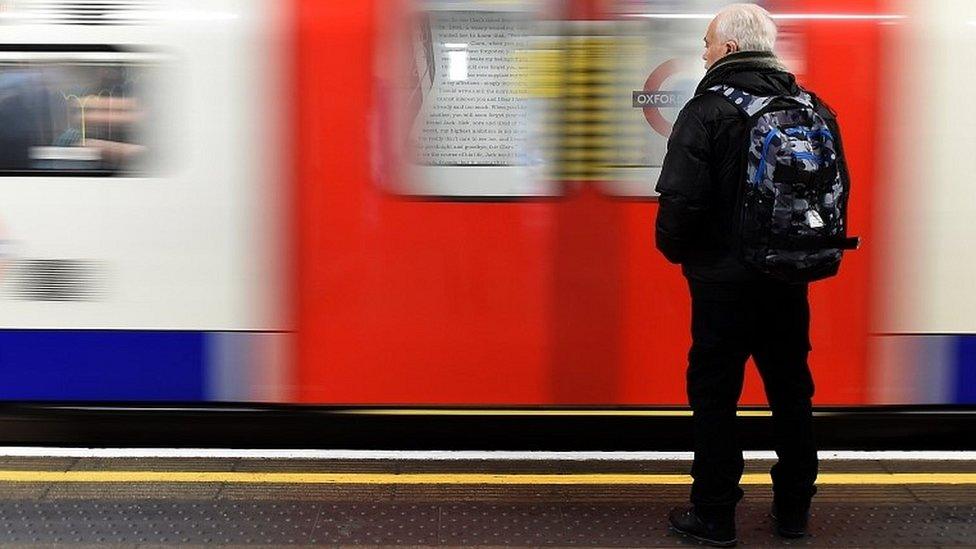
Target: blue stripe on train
102 365
965 368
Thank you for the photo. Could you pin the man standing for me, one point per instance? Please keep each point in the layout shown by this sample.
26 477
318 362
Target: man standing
737 310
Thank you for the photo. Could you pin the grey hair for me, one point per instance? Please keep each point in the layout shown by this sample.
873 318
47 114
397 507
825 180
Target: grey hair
748 25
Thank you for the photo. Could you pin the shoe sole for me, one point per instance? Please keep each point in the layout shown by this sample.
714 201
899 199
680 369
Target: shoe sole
789 534
712 542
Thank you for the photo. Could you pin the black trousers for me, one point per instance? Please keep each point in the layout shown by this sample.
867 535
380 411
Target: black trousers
771 323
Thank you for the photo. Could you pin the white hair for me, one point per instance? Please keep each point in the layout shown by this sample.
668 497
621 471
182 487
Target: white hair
748 25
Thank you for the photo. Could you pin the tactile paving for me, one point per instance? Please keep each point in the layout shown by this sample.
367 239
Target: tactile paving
142 515
638 524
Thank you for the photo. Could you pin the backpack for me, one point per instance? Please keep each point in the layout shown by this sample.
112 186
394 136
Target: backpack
791 213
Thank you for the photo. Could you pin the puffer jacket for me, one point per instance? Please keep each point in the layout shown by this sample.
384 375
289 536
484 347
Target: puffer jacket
705 161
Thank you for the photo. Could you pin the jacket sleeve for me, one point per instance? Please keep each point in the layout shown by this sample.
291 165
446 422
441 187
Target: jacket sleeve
684 187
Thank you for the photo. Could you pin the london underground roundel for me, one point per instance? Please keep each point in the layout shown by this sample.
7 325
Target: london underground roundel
667 89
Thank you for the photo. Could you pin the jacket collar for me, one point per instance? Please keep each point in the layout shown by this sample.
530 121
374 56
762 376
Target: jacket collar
740 61
750 59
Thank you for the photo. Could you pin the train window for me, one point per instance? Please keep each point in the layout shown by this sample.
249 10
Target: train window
659 67
490 99
76 112
458 114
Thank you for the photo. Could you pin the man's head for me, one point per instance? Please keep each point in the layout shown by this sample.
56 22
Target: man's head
738 27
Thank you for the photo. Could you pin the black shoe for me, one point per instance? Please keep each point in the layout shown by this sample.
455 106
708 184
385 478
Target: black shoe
791 522
717 533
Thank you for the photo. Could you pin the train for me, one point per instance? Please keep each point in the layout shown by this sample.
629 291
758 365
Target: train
442 202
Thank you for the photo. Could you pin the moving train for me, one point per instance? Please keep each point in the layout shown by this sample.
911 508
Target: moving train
442 202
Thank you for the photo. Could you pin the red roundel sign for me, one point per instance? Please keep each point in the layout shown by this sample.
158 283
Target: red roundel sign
658 94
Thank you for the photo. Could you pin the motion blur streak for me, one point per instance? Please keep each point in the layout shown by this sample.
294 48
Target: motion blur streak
426 202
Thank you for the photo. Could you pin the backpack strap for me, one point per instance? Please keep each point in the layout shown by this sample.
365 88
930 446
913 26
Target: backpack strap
751 104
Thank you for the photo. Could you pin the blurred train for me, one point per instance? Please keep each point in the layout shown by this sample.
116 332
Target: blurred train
442 202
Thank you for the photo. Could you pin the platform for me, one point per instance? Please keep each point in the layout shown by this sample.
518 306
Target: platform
154 502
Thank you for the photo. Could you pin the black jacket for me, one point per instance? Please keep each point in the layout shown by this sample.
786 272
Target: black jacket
705 160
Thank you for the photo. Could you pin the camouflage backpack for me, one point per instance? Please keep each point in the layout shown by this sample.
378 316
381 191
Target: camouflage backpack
792 201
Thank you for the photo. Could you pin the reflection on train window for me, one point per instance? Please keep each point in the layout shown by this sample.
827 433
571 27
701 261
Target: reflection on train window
470 113
75 113
460 114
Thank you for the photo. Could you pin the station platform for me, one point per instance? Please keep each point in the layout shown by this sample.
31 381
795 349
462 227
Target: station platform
105 498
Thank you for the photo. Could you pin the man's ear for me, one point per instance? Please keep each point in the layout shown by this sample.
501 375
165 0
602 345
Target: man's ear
731 47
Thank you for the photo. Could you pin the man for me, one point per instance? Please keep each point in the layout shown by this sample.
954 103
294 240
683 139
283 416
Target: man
736 312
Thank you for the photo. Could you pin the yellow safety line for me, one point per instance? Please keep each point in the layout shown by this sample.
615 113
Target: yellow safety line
896 478
457 478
